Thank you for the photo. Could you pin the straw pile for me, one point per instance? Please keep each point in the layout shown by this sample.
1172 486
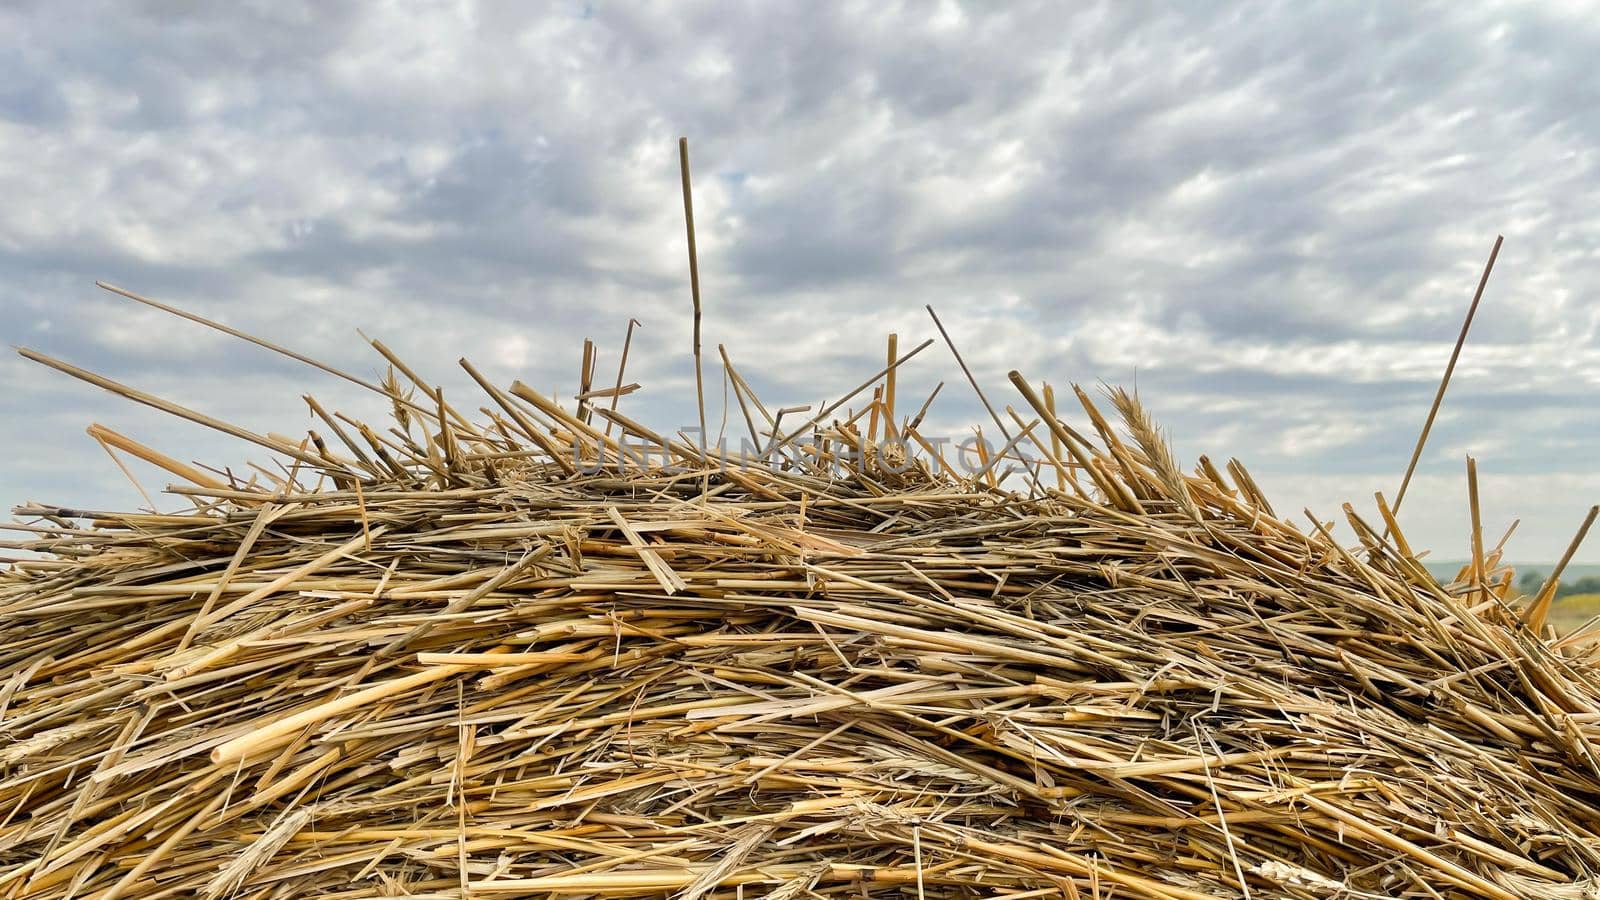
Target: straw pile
500 655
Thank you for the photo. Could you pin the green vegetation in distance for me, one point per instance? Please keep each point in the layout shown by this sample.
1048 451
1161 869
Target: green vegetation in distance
1574 610
1577 596
1579 578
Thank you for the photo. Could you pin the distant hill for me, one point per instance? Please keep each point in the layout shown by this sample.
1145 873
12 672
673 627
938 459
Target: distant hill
1444 570
1571 610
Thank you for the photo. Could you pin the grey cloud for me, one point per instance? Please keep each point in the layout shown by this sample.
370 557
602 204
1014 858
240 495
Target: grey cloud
1271 215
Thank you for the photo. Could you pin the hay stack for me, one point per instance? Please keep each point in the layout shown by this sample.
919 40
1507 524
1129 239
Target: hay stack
492 656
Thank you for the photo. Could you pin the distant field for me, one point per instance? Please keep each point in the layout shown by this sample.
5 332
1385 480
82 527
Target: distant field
1571 612
1567 612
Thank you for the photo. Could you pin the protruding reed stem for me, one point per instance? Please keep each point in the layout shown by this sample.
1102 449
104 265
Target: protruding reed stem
1540 607
694 286
1449 369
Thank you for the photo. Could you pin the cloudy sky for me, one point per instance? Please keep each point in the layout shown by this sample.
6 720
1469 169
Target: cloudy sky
1268 217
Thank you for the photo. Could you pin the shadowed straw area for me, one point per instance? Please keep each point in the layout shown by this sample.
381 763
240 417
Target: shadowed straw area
497 655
